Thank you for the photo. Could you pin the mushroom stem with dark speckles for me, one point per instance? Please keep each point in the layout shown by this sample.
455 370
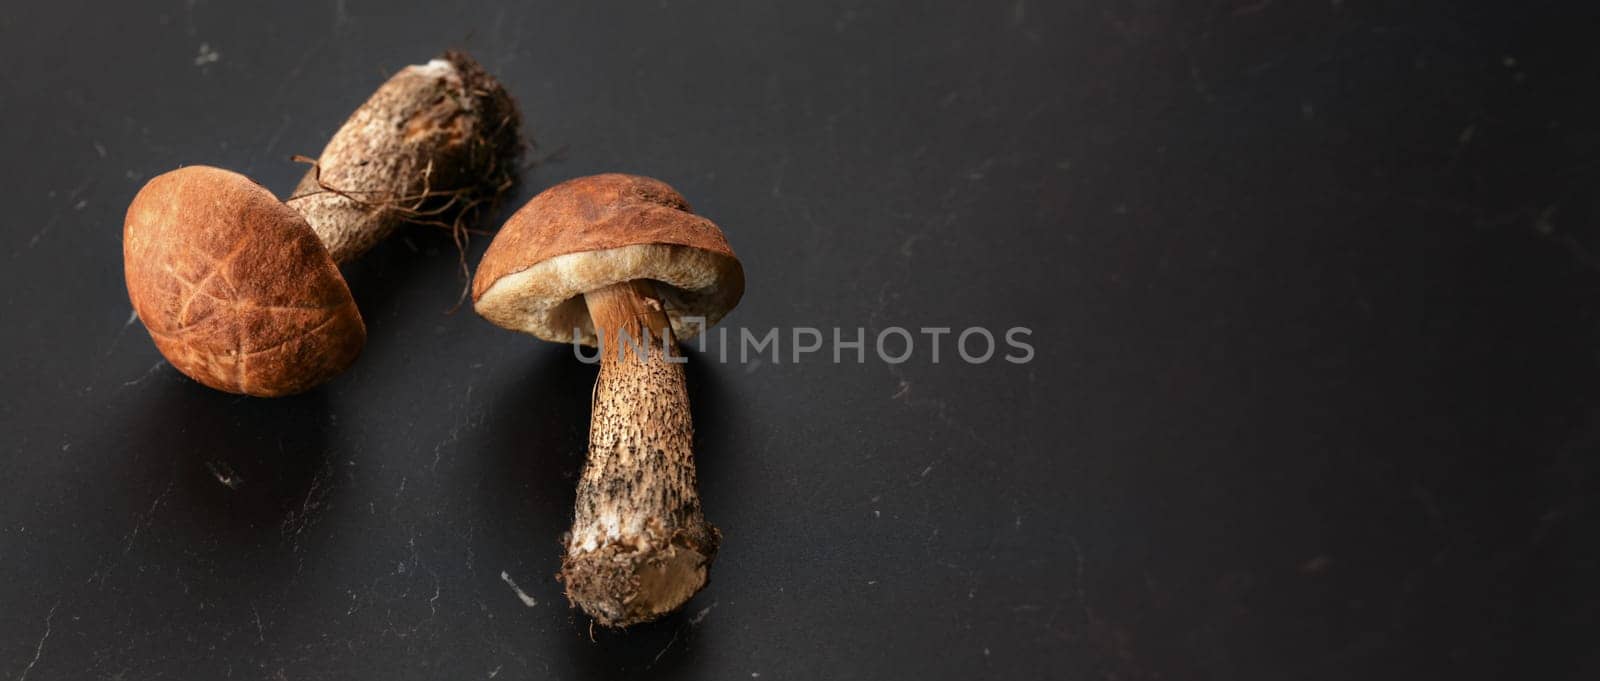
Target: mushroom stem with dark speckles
640 545
621 262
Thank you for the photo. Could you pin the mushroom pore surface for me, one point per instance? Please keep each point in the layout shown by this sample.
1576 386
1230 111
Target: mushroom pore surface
592 232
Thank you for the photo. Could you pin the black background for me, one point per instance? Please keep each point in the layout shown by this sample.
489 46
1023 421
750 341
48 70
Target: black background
1312 286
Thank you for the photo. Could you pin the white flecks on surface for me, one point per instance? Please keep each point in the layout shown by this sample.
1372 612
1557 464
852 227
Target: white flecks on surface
224 474
521 595
496 671
48 225
702 614
149 516
207 55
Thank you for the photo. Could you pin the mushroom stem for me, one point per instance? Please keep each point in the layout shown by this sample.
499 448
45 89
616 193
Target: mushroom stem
428 146
640 545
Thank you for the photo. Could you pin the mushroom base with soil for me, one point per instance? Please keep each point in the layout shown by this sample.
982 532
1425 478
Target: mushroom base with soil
640 545
590 261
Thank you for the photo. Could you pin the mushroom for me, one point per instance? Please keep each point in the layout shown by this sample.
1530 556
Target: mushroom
622 262
242 292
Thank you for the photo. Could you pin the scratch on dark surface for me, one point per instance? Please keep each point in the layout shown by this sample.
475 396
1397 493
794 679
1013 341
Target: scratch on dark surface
1463 140
1091 623
666 647
940 408
74 196
981 171
1316 565
1252 8
272 142
1544 226
464 421
48 225
777 176
298 520
1198 82
149 516
188 16
911 241
505 51
133 316
1077 580
38 650
147 374
300 66
692 622
887 296
700 616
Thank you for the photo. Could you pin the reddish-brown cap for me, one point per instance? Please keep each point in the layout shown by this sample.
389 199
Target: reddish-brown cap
236 290
591 232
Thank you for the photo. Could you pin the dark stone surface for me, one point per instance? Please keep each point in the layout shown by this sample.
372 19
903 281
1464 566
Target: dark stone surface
1312 286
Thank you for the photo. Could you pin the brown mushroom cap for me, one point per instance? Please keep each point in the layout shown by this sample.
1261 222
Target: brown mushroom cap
236 290
588 233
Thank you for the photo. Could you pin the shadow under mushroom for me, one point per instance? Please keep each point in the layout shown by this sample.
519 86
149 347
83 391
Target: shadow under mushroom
239 471
534 441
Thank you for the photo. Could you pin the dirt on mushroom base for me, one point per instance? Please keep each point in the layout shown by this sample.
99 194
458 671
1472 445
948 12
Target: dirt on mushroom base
436 145
596 253
621 585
